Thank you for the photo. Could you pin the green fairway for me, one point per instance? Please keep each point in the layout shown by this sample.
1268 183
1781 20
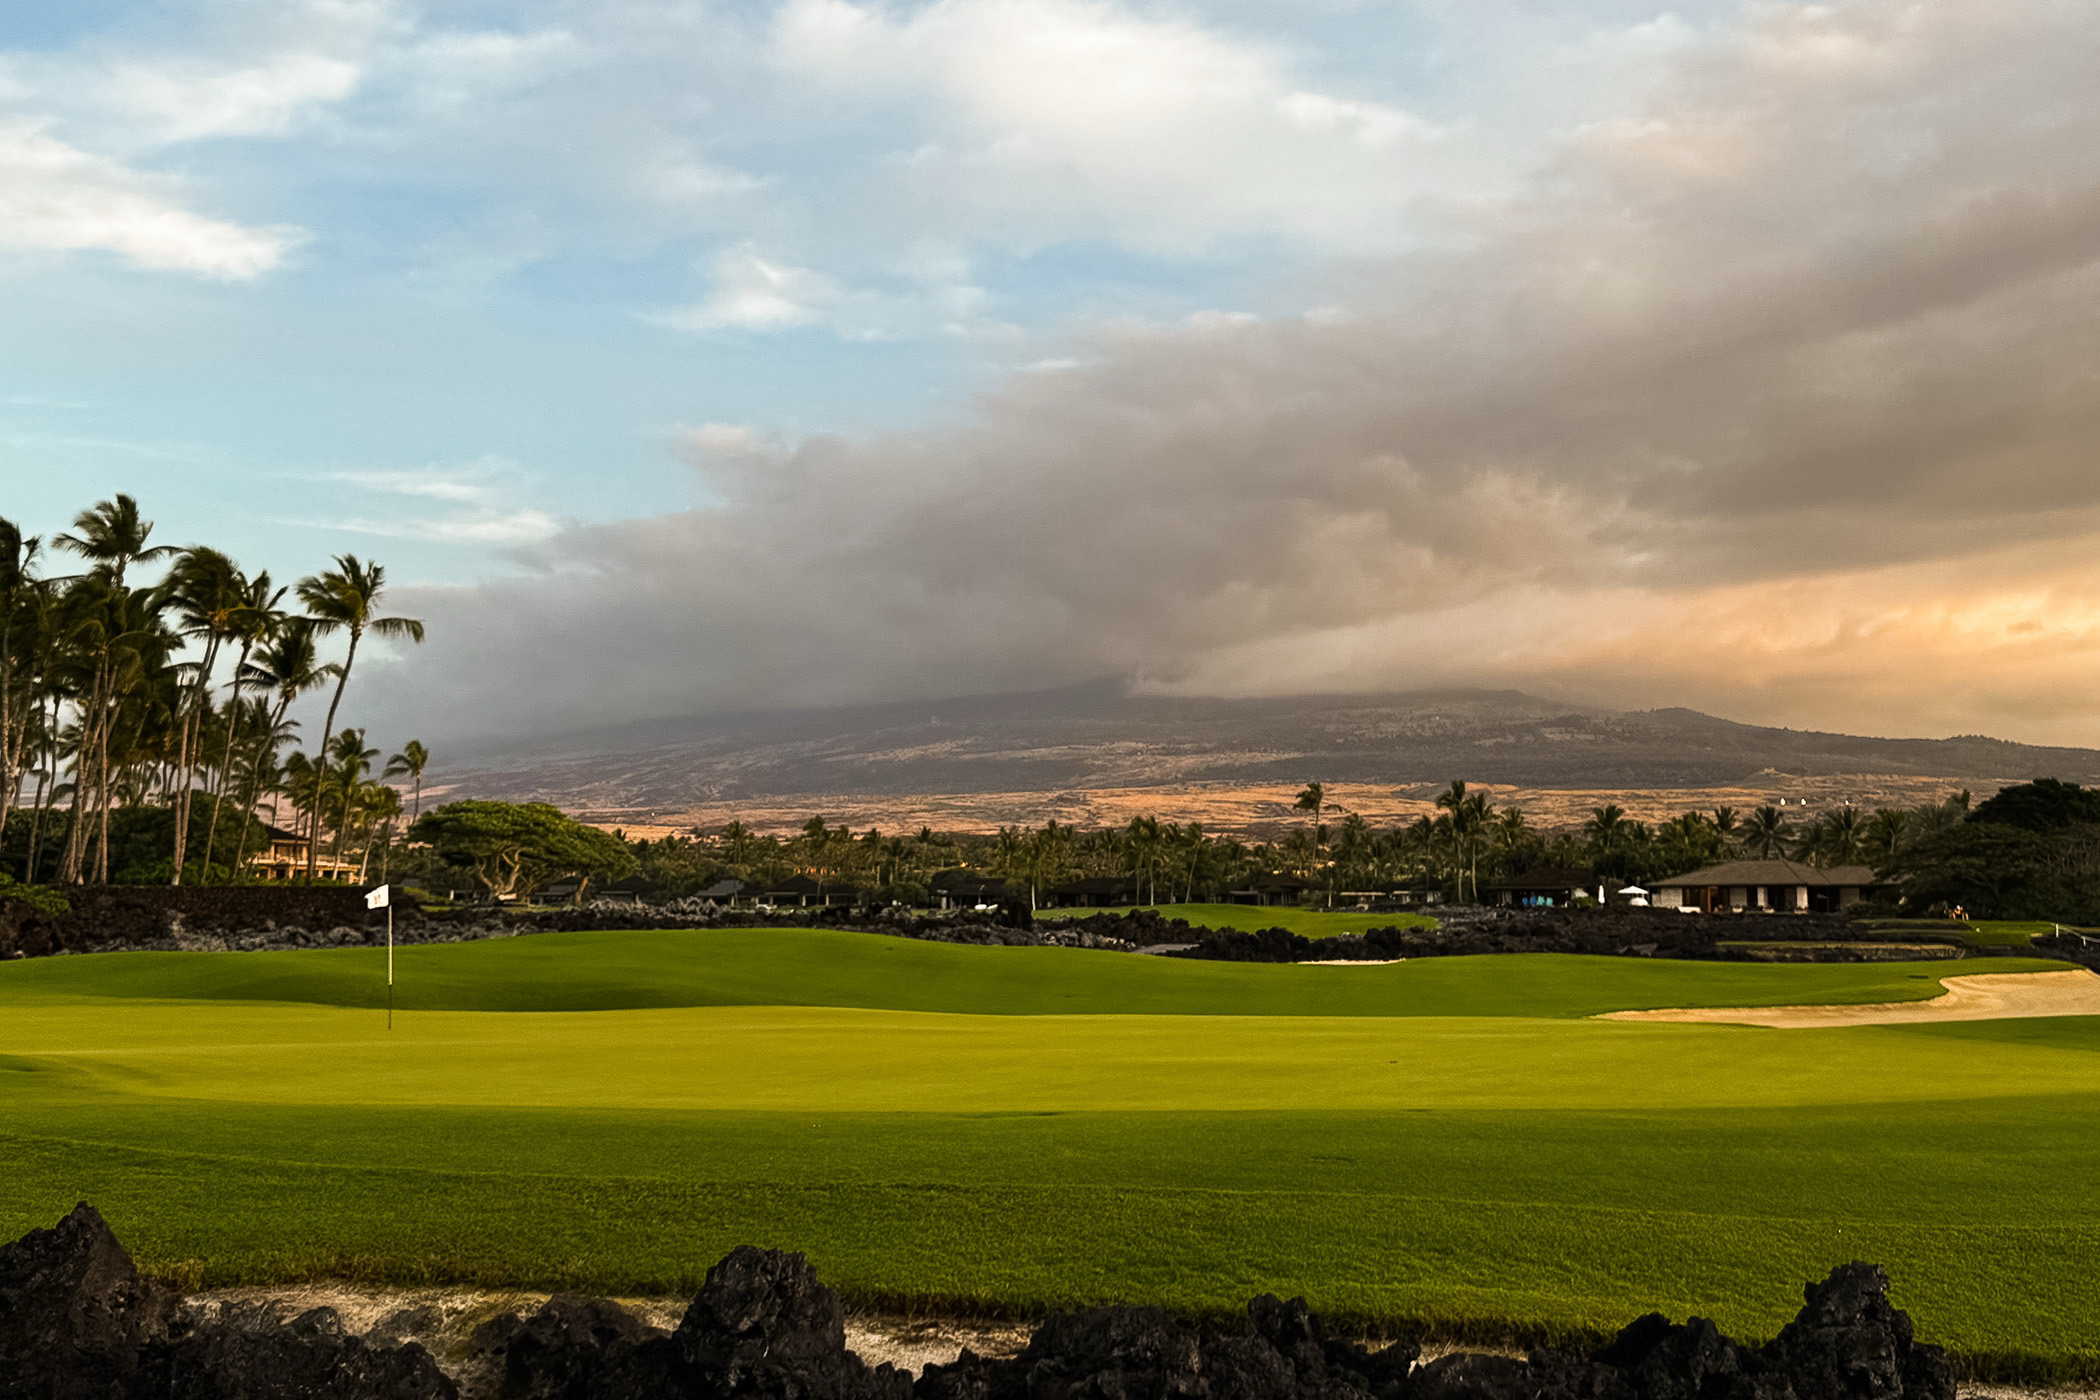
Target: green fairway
1451 1141
1312 923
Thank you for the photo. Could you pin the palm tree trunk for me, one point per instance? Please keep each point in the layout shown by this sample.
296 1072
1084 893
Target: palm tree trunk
185 770
313 850
36 825
102 850
218 791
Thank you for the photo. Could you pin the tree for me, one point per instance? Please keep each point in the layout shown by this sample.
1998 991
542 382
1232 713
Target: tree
1765 834
515 847
344 599
1468 814
409 764
2046 804
347 763
253 623
208 592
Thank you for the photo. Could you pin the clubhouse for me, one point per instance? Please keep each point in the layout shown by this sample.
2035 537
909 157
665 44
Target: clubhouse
1765 887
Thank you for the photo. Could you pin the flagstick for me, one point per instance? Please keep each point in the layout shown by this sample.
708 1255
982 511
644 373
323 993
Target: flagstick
390 964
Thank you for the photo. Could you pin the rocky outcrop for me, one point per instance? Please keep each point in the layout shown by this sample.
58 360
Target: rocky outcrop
78 1323
74 1313
1280 1353
257 1355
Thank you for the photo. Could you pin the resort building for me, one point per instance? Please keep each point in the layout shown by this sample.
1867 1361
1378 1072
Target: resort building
283 857
1554 887
1765 886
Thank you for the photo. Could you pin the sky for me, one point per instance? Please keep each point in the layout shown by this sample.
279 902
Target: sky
680 357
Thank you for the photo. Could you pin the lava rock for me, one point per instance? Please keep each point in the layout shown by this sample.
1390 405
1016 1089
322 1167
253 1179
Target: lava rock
1149 1354
74 1312
567 1350
764 1327
1850 1343
253 1355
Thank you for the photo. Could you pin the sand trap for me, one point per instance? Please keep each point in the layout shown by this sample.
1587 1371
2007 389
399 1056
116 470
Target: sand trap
1349 962
1983 997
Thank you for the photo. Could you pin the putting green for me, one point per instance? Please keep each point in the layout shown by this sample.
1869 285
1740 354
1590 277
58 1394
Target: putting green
1451 1140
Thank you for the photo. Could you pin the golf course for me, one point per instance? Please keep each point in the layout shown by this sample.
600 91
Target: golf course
1454 1143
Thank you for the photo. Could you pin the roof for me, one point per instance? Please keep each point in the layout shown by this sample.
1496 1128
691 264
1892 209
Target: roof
1769 872
722 889
1096 884
1278 882
1552 877
802 884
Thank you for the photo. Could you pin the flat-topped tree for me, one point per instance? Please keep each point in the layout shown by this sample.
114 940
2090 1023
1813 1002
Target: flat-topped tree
346 599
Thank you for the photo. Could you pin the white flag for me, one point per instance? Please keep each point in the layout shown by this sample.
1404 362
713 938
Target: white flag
376 899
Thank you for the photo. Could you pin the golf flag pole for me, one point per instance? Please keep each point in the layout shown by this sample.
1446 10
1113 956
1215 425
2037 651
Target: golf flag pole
377 899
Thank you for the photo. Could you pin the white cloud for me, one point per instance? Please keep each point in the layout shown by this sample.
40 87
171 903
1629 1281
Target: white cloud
1051 118
504 528
755 293
189 102
55 198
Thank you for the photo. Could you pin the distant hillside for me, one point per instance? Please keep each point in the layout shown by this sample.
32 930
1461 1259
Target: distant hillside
1099 736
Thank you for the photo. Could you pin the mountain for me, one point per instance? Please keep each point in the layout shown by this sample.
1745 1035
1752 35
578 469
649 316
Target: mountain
1099 735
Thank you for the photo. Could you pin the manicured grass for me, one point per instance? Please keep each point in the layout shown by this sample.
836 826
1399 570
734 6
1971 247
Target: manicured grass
1312 923
817 967
1983 933
1450 1141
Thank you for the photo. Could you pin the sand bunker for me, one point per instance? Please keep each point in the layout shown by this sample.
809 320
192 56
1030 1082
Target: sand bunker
1985 997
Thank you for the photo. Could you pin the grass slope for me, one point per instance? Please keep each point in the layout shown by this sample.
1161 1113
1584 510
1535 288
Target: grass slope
1448 1141
1312 923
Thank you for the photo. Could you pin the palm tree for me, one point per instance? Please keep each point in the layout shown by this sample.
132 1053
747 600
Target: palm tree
1887 832
18 618
1468 814
347 763
113 536
208 592
409 763
1837 839
288 665
344 599
1313 799
1765 834
254 622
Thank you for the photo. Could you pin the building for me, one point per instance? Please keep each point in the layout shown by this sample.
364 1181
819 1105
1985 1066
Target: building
1765 886
727 890
1551 887
1270 890
1096 892
283 857
801 892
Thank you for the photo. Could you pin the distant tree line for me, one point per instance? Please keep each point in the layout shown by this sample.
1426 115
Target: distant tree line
144 698
1468 843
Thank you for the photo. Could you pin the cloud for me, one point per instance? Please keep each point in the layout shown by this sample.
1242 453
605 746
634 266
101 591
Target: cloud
483 492
1041 119
56 198
1779 389
191 102
755 293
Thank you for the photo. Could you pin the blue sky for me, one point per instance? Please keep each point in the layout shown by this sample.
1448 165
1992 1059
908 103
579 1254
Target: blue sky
826 350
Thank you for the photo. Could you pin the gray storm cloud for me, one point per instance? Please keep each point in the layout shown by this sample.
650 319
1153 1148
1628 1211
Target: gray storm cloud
1781 390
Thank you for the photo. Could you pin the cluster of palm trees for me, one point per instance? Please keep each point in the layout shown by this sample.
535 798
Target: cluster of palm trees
172 696
1617 845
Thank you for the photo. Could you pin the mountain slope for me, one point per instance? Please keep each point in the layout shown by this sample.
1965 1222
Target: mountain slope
1098 735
